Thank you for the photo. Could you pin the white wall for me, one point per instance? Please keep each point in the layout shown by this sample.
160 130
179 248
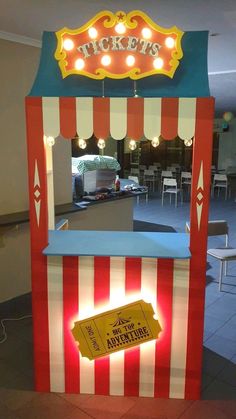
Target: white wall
227 147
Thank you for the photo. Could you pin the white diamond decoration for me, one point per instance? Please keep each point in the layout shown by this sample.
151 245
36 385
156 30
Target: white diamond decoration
37 205
199 196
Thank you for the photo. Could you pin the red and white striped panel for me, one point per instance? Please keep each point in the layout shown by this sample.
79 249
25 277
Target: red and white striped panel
80 287
121 117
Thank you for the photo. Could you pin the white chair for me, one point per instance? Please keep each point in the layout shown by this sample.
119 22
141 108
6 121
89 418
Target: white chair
170 187
134 172
166 174
149 178
220 182
186 180
225 254
136 181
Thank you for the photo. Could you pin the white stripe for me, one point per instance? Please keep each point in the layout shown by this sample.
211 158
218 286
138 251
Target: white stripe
55 323
186 118
84 117
152 117
51 117
86 307
147 350
118 118
117 298
179 328
50 187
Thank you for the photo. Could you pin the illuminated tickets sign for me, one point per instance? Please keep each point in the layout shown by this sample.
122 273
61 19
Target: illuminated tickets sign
119 45
117 329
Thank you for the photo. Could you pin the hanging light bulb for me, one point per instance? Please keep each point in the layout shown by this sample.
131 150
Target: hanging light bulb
101 143
188 142
82 143
50 140
155 142
132 145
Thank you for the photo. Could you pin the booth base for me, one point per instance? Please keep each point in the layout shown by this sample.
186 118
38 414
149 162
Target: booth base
79 286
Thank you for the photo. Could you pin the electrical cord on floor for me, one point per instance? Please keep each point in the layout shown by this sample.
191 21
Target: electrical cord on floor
2 321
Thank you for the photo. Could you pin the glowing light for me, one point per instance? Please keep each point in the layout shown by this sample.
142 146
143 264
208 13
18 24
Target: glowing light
93 33
189 142
158 63
101 143
228 116
106 60
120 28
50 141
68 44
132 145
82 143
130 60
170 42
147 33
155 142
79 64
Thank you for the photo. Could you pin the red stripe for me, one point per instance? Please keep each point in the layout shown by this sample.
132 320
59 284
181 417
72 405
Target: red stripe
70 314
101 117
101 297
169 118
132 356
39 240
135 118
202 152
67 117
163 345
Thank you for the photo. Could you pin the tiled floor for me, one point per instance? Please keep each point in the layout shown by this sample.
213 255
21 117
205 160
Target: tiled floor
19 401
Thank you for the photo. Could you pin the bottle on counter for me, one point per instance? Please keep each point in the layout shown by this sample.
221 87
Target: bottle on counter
117 184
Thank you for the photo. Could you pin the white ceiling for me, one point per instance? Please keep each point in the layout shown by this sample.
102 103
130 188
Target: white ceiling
30 18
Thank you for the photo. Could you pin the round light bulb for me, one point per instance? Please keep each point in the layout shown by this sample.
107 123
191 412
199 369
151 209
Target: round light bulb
147 33
120 28
82 143
130 60
170 42
79 64
50 141
68 44
158 63
101 143
132 145
188 142
93 33
228 116
106 60
155 142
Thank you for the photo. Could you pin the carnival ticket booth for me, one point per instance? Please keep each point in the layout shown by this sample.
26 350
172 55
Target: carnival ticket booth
119 313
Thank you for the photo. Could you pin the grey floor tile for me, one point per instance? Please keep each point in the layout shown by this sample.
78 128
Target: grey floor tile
212 324
219 390
224 347
228 331
228 374
212 362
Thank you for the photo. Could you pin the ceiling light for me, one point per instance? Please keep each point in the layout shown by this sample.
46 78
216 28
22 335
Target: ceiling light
189 142
82 143
158 63
50 141
132 145
155 142
79 64
101 143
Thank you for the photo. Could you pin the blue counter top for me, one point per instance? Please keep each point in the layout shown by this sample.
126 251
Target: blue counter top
118 243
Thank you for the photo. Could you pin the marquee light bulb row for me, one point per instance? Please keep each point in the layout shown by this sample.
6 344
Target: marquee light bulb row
130 61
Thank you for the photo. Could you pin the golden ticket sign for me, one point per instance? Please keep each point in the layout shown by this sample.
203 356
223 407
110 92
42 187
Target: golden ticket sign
119 45
117 329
